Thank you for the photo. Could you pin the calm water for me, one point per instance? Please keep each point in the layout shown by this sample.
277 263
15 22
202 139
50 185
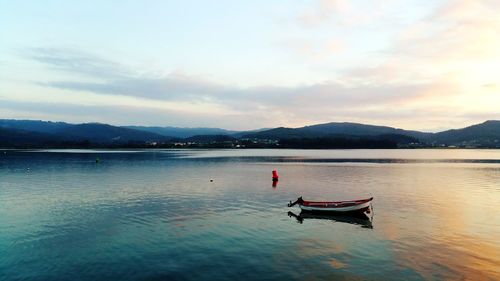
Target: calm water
155 215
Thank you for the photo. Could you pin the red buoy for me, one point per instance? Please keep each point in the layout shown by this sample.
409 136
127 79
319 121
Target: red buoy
275 175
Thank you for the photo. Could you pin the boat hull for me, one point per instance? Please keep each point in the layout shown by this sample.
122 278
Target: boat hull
357 208
340 207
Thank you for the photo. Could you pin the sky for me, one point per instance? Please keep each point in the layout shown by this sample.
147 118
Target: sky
422 65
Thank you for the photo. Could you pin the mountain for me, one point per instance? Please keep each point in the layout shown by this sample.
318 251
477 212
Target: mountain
179 132
484 134
14 138
33 125
210 138
344 142
243 133
334 129
182 132
33 133
103 133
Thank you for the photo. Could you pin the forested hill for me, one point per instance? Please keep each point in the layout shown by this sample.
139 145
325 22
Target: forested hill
34 133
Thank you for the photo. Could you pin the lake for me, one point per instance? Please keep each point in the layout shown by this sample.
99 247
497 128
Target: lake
156 215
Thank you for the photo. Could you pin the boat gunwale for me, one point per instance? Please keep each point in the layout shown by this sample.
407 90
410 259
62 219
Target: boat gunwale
334 204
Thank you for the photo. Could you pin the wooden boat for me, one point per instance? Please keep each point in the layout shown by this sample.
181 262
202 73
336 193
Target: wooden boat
361 205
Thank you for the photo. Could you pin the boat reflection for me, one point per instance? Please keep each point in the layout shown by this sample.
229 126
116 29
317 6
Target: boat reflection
364 220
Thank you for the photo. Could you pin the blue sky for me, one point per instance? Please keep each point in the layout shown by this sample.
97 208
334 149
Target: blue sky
250 64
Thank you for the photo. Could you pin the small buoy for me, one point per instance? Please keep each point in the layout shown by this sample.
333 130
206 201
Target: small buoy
211 180
275 175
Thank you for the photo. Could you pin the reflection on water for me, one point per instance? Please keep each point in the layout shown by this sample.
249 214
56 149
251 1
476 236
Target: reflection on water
362 219
214 215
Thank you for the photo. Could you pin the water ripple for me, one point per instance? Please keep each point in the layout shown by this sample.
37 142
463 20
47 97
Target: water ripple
156 215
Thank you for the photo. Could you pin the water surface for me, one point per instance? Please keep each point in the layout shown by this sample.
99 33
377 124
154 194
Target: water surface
155 215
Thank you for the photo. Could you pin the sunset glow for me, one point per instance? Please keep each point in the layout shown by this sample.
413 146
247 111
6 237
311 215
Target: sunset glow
418 65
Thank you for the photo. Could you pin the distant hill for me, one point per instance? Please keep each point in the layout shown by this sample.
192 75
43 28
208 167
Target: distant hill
179 132
32 133
210 138
35 133
334 129
182 132
103 133
484 134
243 133
379 141
14 138
33 125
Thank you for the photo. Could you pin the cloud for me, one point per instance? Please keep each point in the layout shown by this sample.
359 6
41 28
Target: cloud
455 40
178 97
459 37
76 61
135 115
182 87
367 14
171 87
323 11
441 68
316 50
